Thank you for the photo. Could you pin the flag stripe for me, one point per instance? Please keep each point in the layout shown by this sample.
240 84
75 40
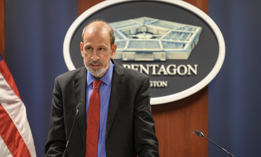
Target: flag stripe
15 130
4 150
11 136
8 77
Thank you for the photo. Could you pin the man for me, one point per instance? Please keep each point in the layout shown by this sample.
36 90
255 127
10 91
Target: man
124 124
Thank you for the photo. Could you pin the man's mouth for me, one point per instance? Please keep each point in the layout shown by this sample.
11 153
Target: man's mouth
95 66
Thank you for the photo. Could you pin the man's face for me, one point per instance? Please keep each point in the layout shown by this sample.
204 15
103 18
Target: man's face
97 51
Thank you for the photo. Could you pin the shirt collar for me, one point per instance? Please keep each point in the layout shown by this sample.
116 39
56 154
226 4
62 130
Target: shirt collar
106 78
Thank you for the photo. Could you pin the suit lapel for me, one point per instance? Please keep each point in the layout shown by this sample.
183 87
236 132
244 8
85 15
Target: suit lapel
116 91
80 95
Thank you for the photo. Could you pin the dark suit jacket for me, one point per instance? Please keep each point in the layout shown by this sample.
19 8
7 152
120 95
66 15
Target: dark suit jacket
130 126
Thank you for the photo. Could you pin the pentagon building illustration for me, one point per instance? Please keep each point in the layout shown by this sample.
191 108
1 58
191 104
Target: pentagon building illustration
149 39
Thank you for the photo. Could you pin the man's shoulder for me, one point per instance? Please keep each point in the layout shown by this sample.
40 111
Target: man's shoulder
72 74
133 74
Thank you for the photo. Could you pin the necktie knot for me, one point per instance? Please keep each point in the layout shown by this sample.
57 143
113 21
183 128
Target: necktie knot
96 84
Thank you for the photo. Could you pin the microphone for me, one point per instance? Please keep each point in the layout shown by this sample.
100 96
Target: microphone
76 113
199 133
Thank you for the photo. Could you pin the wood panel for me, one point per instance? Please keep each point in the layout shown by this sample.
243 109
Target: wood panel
201 4
2 27
83 5
176 122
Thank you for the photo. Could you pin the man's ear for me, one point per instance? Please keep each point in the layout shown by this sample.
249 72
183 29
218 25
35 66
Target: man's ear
113 50
81 48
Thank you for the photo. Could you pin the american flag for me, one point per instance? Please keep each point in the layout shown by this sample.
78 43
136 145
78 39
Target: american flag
16 139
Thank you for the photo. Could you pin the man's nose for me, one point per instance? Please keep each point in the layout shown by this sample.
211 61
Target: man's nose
95 56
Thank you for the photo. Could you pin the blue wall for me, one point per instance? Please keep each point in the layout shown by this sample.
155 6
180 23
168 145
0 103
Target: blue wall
234 95
34 39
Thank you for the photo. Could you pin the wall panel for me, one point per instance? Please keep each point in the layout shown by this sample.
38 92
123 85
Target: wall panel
2 27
